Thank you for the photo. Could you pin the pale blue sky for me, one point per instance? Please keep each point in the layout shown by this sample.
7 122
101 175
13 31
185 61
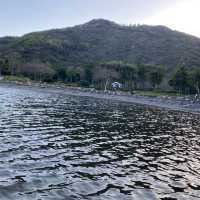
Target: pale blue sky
18 17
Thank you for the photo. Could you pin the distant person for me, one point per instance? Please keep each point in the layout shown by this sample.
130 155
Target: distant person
116 86
196 98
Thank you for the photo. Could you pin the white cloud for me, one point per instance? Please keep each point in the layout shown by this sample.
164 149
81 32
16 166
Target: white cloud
183 16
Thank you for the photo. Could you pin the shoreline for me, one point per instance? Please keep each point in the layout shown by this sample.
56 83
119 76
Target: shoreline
176 103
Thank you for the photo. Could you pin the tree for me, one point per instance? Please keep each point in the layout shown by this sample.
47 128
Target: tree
88 75
128 75
104 74
180 80
73 75
142 74
5 67
1 66
14 63
61 74
195 80
37 71
156 76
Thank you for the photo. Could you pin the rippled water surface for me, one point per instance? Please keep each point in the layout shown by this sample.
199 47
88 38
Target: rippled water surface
59 147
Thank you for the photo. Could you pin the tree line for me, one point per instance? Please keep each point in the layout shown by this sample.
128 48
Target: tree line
132 76
186 81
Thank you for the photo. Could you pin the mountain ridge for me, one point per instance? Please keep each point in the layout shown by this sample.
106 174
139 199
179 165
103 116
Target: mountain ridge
101 40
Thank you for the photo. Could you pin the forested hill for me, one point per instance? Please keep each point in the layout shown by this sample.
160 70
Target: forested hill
101 41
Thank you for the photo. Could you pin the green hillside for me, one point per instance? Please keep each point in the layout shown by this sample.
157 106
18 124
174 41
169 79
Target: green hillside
96 43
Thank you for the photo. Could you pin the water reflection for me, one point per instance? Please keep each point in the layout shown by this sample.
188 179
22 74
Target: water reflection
55 146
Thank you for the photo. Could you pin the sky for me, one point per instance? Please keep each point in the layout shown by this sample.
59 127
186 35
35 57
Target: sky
18 17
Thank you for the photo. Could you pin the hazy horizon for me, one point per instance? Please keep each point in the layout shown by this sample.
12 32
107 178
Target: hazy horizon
23 17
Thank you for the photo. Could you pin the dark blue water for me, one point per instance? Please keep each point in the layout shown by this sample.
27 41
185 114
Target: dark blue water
59 147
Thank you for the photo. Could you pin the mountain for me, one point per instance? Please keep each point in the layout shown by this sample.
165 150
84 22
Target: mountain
100 41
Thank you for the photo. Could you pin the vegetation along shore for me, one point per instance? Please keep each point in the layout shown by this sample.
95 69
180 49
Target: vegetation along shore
97 53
